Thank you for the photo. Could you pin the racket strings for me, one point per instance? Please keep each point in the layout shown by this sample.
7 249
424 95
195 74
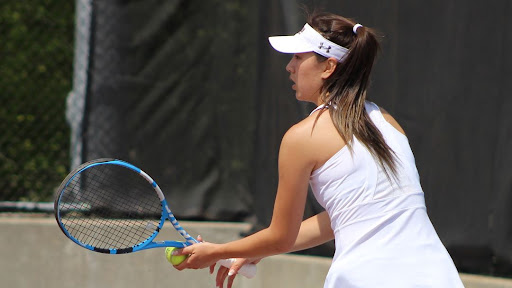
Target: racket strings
110 207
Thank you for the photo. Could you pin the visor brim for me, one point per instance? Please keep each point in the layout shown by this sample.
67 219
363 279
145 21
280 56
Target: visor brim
290 44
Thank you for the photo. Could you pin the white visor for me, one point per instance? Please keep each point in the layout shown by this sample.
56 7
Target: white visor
308 40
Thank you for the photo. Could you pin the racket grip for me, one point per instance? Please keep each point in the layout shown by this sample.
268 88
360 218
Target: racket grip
248 270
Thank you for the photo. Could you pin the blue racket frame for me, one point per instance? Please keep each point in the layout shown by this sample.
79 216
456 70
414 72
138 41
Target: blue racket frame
146 244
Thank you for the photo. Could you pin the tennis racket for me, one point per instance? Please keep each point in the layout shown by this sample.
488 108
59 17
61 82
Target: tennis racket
110 206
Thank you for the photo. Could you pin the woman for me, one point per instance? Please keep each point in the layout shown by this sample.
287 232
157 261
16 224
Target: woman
360 166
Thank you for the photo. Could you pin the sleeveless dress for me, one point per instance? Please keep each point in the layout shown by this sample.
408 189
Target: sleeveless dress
383 235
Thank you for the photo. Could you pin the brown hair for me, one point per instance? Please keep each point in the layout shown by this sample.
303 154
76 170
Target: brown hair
345 90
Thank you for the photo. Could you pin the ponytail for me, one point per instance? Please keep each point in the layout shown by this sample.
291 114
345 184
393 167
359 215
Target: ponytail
345 90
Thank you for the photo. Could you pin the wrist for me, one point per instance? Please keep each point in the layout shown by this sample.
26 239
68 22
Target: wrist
219 251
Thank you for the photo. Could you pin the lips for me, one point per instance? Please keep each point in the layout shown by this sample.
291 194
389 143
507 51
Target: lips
294 85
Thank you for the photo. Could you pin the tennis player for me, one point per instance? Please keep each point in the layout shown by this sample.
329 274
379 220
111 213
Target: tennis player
361 169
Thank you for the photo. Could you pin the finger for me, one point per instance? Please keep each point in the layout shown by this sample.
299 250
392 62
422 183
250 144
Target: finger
230 281
200 238
234 269
186 264
222 273
184 251
180 266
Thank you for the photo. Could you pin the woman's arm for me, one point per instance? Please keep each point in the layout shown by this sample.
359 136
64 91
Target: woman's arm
314 231
296 161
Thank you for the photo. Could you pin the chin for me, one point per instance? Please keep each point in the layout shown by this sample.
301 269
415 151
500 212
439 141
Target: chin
302 98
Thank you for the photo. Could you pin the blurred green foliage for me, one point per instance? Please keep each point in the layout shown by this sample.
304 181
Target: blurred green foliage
36 58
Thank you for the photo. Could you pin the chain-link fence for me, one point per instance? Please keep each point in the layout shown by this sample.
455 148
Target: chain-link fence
36 62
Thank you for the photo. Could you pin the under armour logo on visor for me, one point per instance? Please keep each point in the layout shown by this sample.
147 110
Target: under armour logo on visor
327 48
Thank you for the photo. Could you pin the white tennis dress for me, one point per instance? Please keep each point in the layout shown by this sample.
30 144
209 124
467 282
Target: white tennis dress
383 236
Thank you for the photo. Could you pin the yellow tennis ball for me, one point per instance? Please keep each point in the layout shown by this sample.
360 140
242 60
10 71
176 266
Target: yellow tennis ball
174 260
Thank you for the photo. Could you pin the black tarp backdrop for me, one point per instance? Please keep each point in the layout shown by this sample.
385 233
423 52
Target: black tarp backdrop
171 90
191 92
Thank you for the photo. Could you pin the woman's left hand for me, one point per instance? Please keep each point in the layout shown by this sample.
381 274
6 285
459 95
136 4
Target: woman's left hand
231 273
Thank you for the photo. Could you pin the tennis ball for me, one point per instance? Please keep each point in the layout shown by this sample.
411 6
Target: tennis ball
174 260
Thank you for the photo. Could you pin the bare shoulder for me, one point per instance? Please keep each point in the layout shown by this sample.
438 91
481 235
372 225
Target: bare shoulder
315 139
311 127
303 137
297 149
299 134
391 120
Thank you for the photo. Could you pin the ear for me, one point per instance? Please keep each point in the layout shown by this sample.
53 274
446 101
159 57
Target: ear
330 66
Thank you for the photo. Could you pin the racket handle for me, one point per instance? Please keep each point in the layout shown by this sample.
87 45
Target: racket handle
248 270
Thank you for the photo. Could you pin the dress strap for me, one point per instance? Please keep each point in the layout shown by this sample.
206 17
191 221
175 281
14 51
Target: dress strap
374 112
321 106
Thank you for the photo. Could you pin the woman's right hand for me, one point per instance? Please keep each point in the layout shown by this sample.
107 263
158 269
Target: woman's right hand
231 273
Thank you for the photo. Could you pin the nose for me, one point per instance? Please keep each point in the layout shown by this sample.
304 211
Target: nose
289 66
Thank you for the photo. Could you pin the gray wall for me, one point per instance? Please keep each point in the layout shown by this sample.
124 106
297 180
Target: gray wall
35 253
